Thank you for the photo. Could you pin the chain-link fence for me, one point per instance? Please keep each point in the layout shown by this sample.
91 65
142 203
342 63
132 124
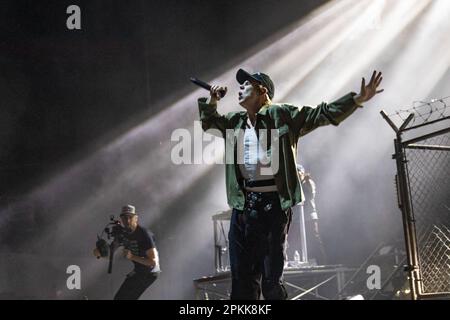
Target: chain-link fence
423 181
429 185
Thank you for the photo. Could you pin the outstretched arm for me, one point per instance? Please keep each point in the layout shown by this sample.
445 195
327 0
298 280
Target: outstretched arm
306 119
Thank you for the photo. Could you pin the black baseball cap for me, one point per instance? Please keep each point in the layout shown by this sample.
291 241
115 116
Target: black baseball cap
262 78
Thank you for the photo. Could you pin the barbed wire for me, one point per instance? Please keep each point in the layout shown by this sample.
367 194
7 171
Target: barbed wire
424 111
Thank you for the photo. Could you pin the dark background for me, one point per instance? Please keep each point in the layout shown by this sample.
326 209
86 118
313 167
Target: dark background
62 90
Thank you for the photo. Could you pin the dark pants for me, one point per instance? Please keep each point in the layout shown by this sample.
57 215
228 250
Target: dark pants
257 237
134 285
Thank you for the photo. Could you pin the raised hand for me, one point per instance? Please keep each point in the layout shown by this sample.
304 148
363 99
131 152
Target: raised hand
370 90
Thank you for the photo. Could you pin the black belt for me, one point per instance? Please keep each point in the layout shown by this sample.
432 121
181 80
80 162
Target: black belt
258 183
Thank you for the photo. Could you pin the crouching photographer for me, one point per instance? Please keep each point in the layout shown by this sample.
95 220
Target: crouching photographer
138 247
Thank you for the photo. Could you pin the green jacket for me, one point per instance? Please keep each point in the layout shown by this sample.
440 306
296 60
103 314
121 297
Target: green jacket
292 123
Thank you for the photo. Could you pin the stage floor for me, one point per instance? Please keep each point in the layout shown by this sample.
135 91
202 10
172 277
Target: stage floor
323 282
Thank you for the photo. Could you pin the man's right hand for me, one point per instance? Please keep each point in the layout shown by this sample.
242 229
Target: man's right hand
215 94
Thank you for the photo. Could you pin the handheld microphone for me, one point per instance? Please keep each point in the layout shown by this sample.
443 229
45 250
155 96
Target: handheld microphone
206 86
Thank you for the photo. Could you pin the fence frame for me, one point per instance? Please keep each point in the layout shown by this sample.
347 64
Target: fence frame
404 197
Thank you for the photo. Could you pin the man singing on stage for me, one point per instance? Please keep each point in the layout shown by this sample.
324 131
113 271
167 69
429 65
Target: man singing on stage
261 194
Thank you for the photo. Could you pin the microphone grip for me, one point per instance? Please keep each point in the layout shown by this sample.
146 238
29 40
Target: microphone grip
206 86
